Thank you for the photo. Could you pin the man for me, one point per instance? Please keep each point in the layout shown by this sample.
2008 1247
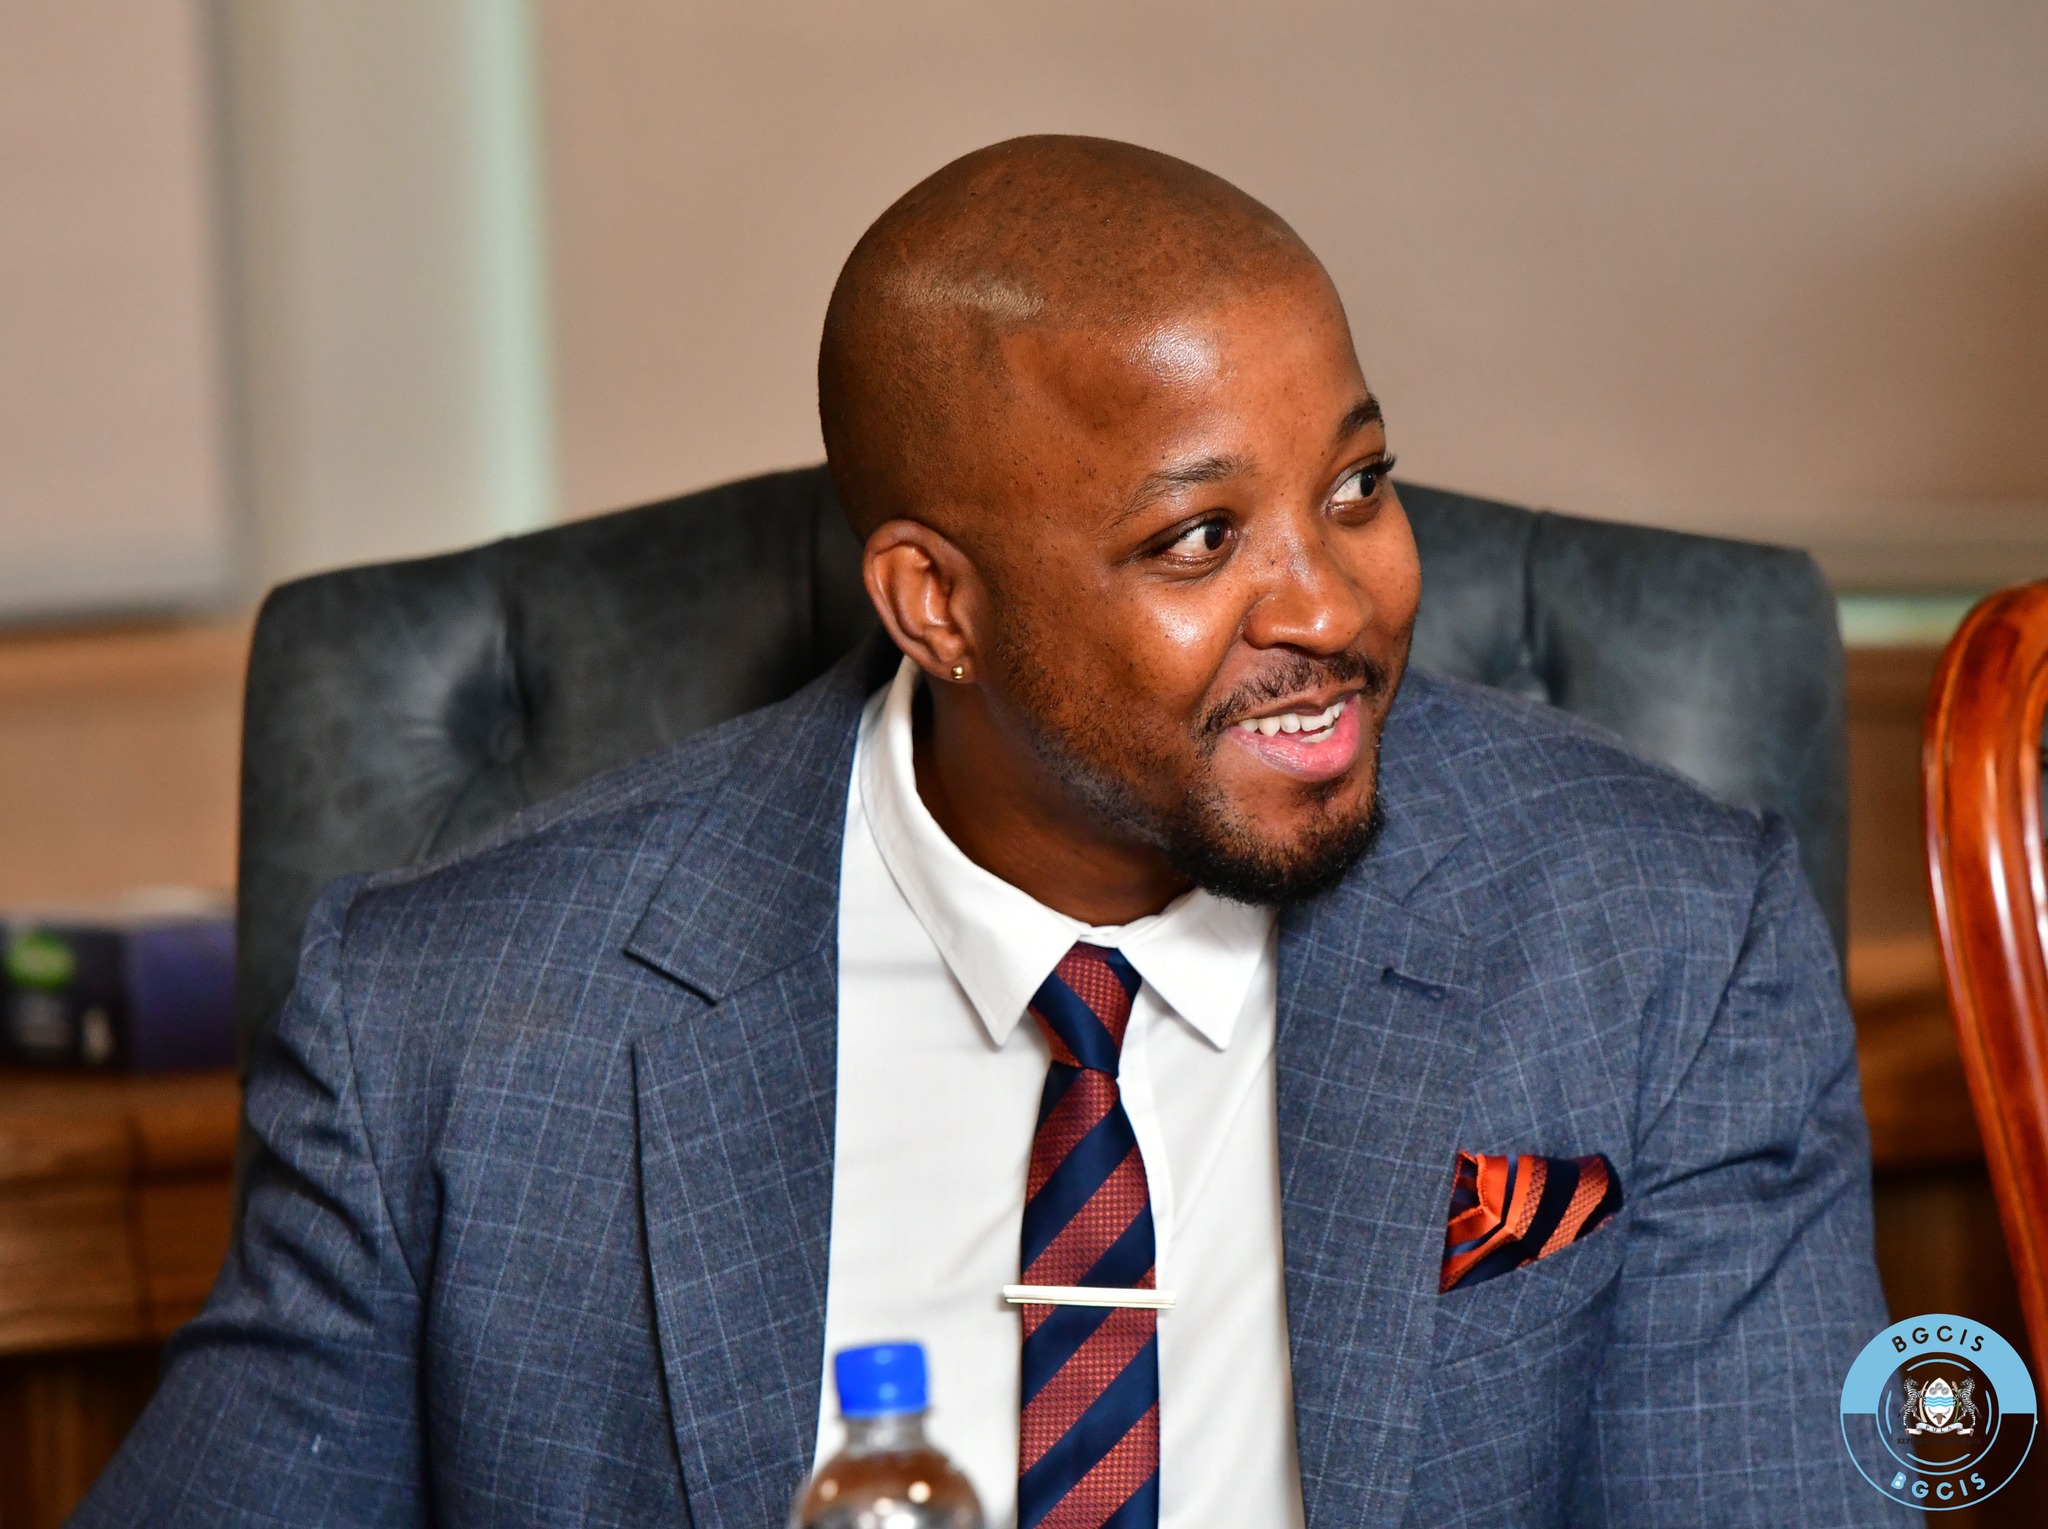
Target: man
1481 1098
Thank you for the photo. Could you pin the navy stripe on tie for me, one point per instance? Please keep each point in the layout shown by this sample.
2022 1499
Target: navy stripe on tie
1112 1415
1120 968
1124 1262
1073 1184
1059 1077
1056 1340
1140 1509
1061 1008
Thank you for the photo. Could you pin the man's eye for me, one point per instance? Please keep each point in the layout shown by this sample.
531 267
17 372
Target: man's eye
1201 539
1363 484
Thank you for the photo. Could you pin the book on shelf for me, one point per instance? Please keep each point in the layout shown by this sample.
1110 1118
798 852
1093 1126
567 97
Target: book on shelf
146 985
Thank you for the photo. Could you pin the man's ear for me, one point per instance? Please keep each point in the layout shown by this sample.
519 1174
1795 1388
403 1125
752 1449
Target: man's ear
928 595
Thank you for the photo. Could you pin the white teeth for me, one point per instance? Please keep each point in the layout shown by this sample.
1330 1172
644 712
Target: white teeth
1294 722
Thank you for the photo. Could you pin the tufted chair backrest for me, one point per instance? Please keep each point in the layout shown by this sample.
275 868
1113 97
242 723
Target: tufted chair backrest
401 710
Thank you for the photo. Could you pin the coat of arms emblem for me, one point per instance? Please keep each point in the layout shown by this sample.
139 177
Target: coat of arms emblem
1939 1407
1938 1412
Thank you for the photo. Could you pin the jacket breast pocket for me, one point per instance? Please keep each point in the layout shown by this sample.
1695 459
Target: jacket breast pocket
1512 1387
1532 1299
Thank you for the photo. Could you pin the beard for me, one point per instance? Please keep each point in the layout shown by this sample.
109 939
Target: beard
1203 836
1216 852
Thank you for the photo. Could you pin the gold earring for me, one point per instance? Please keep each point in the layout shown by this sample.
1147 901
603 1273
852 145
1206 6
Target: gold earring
959 671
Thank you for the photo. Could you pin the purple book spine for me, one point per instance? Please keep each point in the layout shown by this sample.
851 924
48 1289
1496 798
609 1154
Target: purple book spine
181 995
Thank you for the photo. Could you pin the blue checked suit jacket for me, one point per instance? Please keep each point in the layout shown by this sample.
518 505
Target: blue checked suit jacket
538 1229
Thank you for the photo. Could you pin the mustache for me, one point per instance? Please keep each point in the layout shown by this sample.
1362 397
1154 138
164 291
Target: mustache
1292 675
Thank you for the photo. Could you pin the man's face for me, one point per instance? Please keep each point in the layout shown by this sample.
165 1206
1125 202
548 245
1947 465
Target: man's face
1203 585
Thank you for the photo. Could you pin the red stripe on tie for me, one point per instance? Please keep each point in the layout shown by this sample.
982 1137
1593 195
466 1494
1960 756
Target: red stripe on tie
1133 1462
1082 1380
1098 1224
1084 970
1090 1097
1061 1051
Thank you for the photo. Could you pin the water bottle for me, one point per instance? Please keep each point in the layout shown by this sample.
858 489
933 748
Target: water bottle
888 1476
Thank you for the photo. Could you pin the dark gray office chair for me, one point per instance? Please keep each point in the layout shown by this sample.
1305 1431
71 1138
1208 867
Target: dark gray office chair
399 711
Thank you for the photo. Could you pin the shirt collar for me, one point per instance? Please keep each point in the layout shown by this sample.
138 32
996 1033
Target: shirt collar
1199 954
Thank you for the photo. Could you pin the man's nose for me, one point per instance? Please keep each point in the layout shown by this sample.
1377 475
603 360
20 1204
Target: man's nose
1305 599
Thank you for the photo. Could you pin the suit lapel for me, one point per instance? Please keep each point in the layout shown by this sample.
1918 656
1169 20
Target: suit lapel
735 1104
1376 1026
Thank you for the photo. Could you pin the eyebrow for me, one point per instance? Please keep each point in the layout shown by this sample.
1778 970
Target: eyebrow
1365 412
1209 469
1214 469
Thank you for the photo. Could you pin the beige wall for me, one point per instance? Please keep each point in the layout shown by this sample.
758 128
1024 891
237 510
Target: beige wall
1774 269
113 462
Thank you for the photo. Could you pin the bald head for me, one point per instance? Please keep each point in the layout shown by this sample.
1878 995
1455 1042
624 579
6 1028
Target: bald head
1034 236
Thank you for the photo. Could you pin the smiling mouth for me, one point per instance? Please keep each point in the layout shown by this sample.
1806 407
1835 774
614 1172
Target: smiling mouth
1311 726
1311 747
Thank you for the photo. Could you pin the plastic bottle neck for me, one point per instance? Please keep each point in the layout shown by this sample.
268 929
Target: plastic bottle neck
890 1433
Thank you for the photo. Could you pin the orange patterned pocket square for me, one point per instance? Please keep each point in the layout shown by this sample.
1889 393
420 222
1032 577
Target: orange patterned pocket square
1510 1211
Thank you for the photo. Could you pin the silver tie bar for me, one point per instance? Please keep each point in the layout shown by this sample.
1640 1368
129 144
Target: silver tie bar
1087 1295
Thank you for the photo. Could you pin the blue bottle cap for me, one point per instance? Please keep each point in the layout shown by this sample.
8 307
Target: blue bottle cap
879 1380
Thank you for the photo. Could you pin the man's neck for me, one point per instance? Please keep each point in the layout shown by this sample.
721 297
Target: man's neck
998 804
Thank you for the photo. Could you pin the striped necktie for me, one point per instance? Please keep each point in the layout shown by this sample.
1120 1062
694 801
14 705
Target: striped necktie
1088 1450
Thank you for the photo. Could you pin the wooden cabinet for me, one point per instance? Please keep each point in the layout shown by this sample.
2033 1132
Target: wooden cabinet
114 1207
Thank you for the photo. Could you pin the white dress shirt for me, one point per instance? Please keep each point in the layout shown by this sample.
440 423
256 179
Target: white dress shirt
940 1071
